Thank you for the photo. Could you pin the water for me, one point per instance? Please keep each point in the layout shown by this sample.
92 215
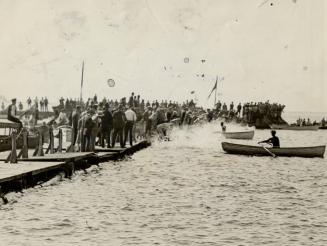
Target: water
182 192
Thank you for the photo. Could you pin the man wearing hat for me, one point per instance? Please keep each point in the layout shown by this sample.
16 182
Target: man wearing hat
119 120
128 130
75 118
147 120
106 125
12 111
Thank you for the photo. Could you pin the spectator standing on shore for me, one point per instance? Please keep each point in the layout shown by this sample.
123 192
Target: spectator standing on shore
61 102
36 114
146 117
29 102
239 108
20 106
42 104
118 124
224 108
36 102
46 102
131 100
231 106
130 120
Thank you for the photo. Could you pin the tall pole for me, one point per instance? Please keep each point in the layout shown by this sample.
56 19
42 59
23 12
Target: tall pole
216 92
81 95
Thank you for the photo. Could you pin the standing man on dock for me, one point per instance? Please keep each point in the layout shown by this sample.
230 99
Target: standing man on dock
118 124
75 118
106 125
46 102
131 119
86 127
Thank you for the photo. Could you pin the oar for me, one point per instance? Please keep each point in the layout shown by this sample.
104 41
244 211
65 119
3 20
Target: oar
272 154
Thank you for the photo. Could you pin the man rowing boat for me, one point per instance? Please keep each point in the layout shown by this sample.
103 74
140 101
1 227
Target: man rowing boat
274 140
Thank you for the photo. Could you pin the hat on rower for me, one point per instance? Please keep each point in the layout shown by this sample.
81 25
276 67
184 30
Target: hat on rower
14 100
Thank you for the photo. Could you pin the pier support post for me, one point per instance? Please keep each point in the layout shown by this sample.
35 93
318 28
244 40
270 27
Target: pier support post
40 146
24 151
2 196
60 141
25 144
51 142
71 147
12 157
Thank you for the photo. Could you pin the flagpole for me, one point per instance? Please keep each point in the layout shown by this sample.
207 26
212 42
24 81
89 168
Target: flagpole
81 95
216 93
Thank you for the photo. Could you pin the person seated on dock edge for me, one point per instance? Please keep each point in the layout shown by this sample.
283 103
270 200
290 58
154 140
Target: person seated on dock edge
274 140
12 112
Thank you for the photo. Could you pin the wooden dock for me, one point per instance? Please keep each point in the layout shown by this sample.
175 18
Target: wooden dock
30 171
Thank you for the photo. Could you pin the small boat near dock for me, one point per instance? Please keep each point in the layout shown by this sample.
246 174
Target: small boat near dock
240 149
239 135
295 127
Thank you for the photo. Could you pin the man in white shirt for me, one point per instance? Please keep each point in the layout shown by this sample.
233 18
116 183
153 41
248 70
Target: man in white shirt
131 119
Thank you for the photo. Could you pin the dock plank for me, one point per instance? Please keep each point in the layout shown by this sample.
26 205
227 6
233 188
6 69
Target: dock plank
28 171
75 156
10 172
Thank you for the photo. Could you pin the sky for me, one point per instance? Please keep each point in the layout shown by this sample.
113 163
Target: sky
163 49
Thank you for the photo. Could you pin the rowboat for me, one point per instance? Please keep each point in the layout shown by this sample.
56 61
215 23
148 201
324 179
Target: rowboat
239 135
294 127
239 149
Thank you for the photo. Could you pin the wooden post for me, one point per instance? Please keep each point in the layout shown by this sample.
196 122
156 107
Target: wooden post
60 141
71 147
51 141
40 147
25 144
13 156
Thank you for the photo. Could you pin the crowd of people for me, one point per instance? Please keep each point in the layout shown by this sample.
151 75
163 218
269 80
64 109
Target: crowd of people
252 112
308 122
41 104
106 121
20 106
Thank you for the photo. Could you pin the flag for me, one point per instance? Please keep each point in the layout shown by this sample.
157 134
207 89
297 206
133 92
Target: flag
214 88
82 75
82 79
